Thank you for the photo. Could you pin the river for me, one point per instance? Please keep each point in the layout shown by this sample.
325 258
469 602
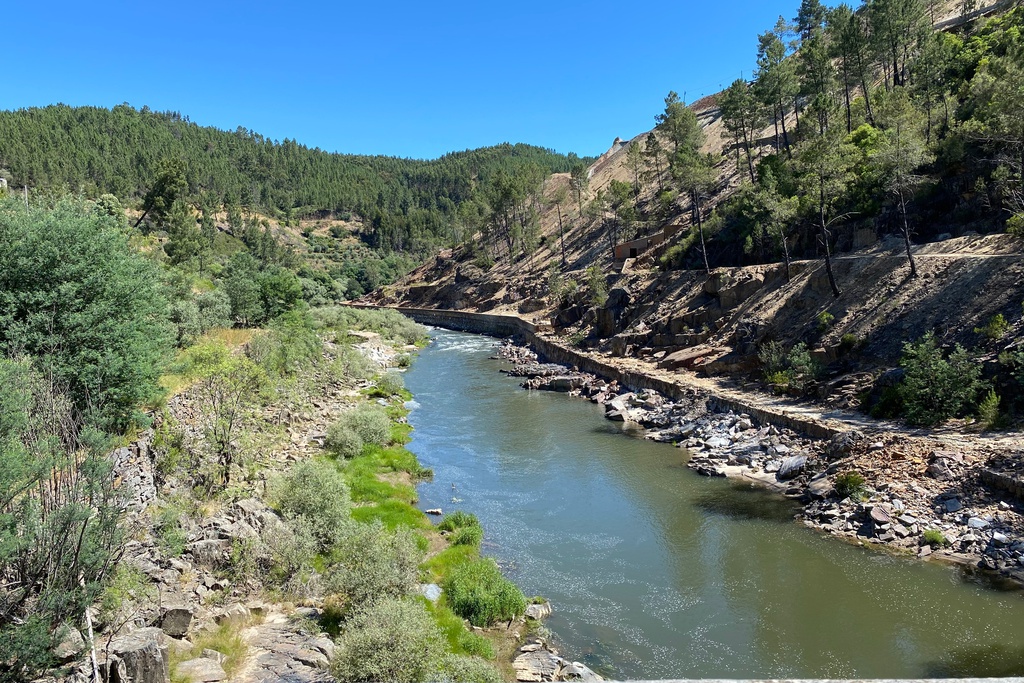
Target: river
656 572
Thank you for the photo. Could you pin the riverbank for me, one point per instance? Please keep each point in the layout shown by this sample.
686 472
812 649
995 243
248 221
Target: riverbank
904 493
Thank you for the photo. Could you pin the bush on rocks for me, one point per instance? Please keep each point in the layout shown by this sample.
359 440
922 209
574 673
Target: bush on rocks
478 592
389 384
373 564
391 640
342 441
468 670
369 421
315 492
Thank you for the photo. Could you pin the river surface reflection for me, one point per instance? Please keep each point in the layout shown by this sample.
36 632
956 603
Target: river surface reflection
655 572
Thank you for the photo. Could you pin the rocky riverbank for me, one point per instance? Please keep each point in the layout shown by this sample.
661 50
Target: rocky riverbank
907 493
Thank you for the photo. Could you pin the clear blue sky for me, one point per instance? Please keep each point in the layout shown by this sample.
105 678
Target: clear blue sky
412 79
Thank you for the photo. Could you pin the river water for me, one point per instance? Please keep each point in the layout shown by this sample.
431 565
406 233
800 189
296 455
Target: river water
656 572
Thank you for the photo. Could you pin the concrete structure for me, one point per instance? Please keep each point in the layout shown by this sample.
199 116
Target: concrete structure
633 248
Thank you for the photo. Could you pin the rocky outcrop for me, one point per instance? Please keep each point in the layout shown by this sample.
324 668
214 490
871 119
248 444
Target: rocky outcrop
137 657
537 661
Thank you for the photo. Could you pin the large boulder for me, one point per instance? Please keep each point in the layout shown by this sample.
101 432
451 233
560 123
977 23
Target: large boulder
138 657
791 467
175 621
202 670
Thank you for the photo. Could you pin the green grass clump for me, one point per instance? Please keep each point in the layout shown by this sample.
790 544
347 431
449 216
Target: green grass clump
850 485
458 520
453 628
935 538
468 535
392 514
447 561
477 591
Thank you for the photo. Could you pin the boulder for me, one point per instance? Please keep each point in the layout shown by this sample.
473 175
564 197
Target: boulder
538 665
202 670
234 614
175 621
211 553
139 657
71 644
791 467
841 444
538 611
574 671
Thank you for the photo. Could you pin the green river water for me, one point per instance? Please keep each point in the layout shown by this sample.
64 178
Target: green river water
656 572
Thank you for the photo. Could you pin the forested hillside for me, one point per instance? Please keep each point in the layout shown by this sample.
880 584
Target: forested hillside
411 204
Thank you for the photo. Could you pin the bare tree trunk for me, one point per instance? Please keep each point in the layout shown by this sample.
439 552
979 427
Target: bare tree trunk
561 233
824 240
700 229
906 234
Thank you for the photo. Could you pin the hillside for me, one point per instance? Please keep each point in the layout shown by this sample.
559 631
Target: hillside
940 185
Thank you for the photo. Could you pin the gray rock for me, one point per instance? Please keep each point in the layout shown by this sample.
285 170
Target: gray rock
70 646
211 553
880 515
538 611
574 671
717 442
538 665
234 614
953 505
176 620
202 670
431 591
141 656
1000 539
820 487
791 467
976 523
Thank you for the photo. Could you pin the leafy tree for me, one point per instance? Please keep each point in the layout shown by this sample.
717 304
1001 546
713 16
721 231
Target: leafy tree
852 46
741 117
60 537
635 163
773 212
169 185
897 27
693 171
654 153
775 82
901 152
89 308
578 181
934 387
825 174
228 385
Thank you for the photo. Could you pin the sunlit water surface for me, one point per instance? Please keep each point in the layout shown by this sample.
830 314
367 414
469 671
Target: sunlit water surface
656 572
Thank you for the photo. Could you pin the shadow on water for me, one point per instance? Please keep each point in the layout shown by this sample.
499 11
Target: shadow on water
740 501
990 661
987 579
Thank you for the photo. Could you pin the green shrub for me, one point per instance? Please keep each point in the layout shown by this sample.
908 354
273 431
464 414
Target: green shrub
935 538
342 441
290 345
170 536
825 320
352 364
458 520
847 343
373 563
291 547
988 410
772 357
389 384
935 388
478 592
995 328
76 293
1015 225
369 421
315 491
469 535
392 640
458 669
598 286
850 485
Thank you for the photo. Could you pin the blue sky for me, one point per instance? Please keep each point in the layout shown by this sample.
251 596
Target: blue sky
398 78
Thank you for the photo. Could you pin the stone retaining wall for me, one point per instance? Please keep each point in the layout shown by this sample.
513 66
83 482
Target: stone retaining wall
1004 482
527 332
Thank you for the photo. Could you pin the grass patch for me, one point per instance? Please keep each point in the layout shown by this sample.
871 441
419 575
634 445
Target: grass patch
393 514
461 641
225 639
446 561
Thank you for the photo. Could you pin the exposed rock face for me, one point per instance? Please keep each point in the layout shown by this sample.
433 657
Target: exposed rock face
203 670
138 657
176 620
536 662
